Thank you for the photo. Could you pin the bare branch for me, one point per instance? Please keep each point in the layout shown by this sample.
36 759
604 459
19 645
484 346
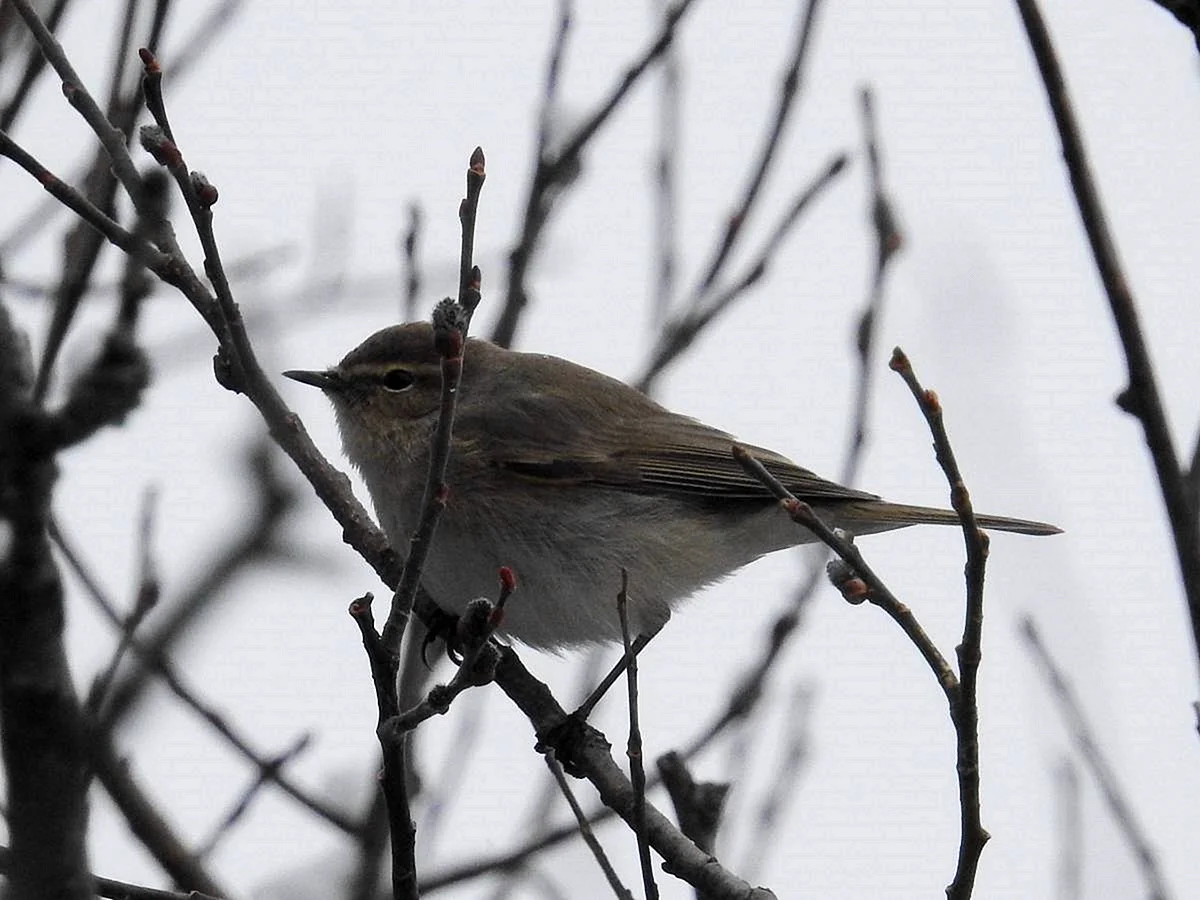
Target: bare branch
551 169
1105 775
964 709
1141 398
585 830
637 769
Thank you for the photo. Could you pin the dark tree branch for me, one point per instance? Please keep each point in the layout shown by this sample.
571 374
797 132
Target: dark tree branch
1187 13
1141 397
41 727
146 822
590 755
119 890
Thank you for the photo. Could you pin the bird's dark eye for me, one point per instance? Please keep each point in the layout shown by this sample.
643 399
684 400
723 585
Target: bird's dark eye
397 379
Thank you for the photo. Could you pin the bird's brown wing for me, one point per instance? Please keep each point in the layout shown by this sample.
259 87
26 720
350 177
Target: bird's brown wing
621 439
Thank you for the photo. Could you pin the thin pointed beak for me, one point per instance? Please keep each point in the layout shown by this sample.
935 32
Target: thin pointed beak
326 381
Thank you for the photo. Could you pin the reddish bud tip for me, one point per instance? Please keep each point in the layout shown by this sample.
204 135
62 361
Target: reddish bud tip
158 145
149 61
932 401
443 493
449 343
206 191
508 579
855 590
478 163
899 361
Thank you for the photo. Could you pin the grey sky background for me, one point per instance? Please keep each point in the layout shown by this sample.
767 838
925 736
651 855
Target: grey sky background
319 122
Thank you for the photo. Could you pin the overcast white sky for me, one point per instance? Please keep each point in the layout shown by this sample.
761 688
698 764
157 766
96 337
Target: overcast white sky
348 111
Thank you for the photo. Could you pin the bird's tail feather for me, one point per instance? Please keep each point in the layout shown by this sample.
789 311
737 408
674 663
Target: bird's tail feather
880 515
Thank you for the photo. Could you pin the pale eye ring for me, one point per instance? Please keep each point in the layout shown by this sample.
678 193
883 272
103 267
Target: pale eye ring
397 379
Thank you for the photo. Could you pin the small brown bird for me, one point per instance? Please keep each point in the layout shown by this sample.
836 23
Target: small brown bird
566 476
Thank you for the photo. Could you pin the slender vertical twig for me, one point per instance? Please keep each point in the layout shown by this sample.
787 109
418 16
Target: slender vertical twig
888 241
554 166
1069 828
1105 775
637 768
412 266
1141 397
666 169
451 321
964 707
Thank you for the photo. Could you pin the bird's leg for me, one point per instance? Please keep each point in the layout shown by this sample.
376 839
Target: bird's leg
441 626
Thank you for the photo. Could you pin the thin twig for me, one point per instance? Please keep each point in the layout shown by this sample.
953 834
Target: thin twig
145 820
585 830
82 207
874 590
450 323
964 707
412 267
154 659
584 710
637 769
666 170
34 67
1102 770
267 774
789 89
888 241
393 779
110 136
679 332
146 597
1141 398
1069 829
553 168
192 49
794 754
705 302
